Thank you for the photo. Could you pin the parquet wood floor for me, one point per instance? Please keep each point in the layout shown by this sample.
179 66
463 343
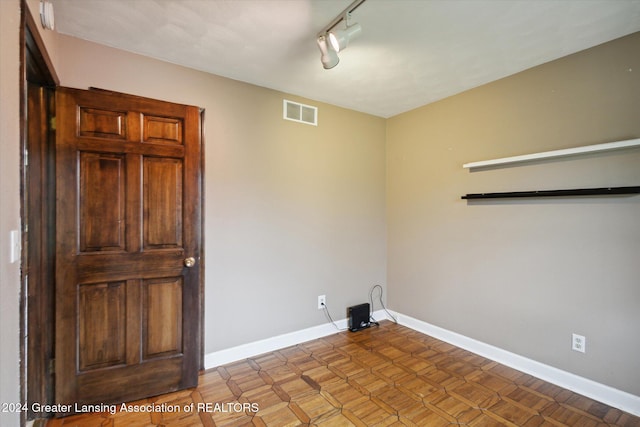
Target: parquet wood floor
386 376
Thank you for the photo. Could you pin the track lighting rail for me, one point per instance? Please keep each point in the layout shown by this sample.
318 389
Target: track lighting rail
341 17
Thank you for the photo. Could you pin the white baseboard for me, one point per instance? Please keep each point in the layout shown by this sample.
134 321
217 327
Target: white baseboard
602 393
255 348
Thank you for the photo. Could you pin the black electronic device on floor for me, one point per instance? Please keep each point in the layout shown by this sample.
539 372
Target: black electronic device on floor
359 317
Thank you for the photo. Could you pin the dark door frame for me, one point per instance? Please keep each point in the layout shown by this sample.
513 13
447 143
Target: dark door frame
38 81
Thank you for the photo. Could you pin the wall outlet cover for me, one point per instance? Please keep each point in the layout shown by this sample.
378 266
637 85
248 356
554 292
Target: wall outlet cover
578 343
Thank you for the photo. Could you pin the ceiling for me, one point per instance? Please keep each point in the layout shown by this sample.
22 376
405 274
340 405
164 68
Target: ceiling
410 52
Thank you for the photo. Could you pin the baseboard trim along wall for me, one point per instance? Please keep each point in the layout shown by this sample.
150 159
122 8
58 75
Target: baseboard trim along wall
251 349
602 393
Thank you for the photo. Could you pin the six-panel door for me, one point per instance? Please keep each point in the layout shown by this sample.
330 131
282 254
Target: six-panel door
128 203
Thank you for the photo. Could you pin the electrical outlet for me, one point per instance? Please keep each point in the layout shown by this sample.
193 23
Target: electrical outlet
322 300
578 343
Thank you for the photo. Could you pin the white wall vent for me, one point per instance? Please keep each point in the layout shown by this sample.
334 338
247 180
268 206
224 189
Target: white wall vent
299 112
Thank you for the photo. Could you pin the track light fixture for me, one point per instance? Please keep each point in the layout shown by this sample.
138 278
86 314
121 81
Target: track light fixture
331 42
340 39
329 57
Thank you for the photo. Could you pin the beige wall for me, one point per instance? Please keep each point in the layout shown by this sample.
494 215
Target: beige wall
10 211
292 211
524 275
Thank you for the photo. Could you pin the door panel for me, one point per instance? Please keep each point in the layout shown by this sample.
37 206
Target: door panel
128 203
96 123
101 325
102 202
162 311
162 203
162 130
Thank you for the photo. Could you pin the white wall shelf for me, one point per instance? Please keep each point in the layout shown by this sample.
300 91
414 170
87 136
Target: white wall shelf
555 153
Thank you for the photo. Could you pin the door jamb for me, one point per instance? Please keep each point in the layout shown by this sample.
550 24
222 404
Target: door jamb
36 381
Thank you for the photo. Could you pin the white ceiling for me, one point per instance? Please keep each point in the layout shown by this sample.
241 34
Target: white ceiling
410 52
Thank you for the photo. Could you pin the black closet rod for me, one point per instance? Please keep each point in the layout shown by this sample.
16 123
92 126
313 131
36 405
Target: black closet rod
604 191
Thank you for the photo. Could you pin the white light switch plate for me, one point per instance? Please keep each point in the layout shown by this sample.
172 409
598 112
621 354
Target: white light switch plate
16 245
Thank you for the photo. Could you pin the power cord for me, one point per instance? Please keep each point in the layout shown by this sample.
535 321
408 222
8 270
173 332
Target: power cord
326 313
381 303
371 318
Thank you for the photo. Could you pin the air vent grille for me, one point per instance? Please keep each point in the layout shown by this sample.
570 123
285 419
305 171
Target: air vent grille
300 113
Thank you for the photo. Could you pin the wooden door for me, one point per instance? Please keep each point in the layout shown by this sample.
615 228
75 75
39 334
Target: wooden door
128 233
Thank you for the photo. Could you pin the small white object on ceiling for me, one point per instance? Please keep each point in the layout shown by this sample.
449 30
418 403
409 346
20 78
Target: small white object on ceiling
46 14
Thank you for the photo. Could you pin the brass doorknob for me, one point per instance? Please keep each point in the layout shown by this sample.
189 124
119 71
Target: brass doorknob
189 262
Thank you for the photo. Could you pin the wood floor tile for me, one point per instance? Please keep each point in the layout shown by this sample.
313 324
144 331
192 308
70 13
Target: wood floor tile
339 420
346 368
516 414
382 376
402 403
317 408
368 382
626 420
413 364
372 413
525 398
297 388
278 374
371 359
265 396
345 394
416 387
490 381
475 395
447 403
